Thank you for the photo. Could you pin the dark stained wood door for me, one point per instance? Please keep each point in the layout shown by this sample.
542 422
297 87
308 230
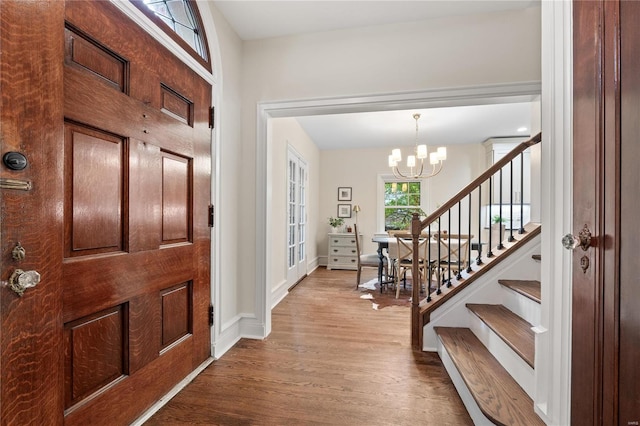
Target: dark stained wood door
606 323
136 238
31 122
629 290
121 176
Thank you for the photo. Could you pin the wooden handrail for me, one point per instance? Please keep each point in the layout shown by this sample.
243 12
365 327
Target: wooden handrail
418 226
481 179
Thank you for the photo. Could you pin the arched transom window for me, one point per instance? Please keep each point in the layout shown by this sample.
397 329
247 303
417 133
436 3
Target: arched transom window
179 18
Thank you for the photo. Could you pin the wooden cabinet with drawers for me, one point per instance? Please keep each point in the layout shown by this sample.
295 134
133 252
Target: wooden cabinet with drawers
342 251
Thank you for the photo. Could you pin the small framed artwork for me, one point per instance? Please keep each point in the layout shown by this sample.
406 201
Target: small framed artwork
344 210
344 193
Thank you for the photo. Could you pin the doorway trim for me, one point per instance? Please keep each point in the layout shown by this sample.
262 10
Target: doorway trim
486 94
553 365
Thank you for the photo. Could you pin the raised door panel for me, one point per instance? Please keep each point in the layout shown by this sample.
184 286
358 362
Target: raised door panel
95 354
176 199
94 184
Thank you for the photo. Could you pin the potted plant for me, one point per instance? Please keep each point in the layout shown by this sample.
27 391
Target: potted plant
497 228
335 222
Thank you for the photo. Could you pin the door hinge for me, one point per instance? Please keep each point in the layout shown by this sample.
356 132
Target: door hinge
212 117
210 315
211 216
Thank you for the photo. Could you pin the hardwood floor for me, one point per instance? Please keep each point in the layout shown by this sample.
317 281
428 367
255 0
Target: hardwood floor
330 359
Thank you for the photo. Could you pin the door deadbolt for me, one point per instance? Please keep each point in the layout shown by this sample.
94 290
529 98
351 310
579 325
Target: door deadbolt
15 160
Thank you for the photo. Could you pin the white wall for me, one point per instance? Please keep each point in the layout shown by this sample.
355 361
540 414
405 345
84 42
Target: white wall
467 51
284 132
360 170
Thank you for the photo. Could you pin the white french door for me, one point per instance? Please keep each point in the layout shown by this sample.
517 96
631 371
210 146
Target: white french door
296 217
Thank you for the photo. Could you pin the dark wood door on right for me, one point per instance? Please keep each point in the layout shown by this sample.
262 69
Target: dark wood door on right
135 273
605 320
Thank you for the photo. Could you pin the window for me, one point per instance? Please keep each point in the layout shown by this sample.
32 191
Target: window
401 200
181 21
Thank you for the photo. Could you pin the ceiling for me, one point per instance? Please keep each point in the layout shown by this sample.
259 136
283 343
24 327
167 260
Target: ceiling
260 19
438 126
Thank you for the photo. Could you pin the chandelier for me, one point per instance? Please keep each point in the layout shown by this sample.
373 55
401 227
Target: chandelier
420 152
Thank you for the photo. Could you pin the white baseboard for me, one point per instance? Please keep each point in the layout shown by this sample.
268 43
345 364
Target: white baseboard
240 326
279 293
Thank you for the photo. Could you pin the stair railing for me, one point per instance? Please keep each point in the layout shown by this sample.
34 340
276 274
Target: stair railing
465 205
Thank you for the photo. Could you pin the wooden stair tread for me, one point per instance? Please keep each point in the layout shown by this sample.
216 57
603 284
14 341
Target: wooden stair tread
528 288
497 394
515 331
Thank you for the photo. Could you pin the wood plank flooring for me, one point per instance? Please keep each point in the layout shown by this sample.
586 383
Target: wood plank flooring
329 360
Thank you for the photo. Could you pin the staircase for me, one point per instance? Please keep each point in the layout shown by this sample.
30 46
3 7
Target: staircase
482 321
489 349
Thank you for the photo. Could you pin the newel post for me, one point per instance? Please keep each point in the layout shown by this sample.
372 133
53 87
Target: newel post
416 331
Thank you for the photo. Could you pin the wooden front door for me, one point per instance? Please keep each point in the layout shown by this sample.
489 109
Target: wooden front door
606 324
126 269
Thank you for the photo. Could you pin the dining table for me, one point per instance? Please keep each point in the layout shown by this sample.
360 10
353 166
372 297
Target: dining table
383 243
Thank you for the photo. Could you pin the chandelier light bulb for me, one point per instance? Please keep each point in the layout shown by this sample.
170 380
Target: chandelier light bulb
433 158
422 152
442 153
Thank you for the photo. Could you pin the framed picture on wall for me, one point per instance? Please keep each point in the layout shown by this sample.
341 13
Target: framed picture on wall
344 194
344 210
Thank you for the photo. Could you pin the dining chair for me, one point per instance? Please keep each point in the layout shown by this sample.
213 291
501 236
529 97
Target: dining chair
454 254
401 251
370 260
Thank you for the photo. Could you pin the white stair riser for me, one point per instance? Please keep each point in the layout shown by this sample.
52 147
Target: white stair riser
521 305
